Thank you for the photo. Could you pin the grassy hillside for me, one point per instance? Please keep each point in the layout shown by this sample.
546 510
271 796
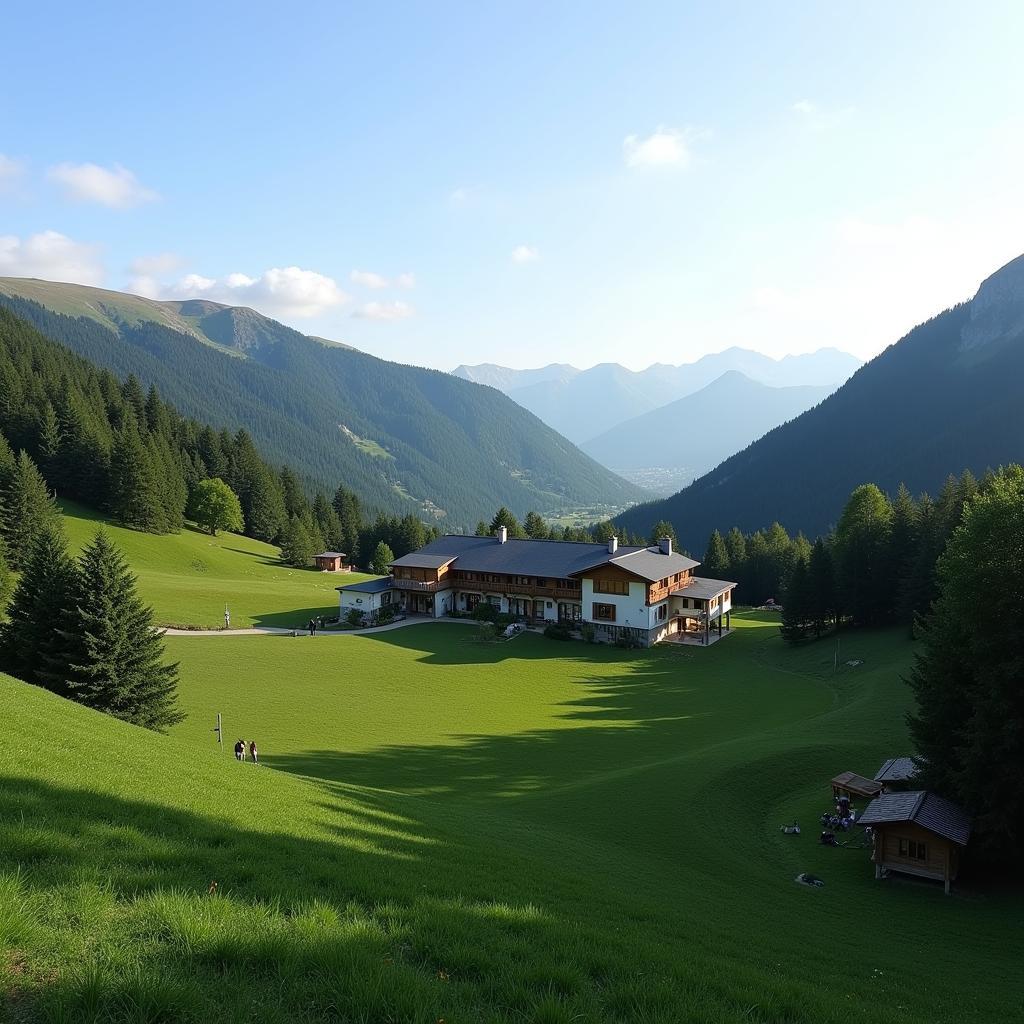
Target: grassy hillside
190 576
531 831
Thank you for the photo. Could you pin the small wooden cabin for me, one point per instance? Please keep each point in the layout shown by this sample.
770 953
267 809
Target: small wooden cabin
854 786
332 561
916 833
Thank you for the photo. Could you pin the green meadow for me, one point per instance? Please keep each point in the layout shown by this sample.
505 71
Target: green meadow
188 578
447 830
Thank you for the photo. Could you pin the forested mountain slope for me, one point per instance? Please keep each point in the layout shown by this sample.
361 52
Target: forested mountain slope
945 397
402 437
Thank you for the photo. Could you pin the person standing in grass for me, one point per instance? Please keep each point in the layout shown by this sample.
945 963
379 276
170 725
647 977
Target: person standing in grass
253 755
312 627
240 750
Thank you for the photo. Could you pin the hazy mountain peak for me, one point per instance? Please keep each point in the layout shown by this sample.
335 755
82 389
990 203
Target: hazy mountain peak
997 310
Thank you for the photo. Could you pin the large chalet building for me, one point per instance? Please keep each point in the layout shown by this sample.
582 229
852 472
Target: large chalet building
647 593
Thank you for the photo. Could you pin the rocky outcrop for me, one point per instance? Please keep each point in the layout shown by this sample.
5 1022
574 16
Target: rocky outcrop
997 311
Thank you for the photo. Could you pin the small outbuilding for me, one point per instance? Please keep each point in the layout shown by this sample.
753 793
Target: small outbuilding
852 785
896 773
332 561
367 598
916 833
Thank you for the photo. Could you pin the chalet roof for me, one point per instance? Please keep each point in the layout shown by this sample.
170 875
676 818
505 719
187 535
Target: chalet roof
650 564
544 558
857 784
896 769
931 812
331 554
704 589
377 586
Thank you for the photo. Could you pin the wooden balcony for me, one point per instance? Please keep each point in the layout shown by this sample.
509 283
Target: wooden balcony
419 586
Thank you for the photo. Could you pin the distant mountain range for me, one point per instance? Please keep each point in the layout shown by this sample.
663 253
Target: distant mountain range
584 404
691 435
404 438
944 398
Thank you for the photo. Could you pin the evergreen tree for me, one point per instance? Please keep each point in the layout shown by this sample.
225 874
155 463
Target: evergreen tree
822 586
214 506
736 547
903 542
295 503
49 443
329 523
861 553
918 587
350 512
482 529
716 558
969 725
117 664
410 536
136 496
797 600
34 642
264 510
537 529
383 556
27 509
297 546
6 578
505 518
664 529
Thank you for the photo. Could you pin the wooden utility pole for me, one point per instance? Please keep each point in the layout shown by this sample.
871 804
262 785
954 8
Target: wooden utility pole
220 733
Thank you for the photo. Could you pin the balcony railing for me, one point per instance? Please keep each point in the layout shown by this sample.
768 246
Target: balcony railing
419 585
483 587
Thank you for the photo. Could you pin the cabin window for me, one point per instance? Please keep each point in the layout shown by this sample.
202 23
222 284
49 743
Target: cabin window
662 612
913 849
620 587
604 612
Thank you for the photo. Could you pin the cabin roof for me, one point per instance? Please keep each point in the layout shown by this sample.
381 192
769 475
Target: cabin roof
897 769
857 784
651 564
377 586
931 812
331 554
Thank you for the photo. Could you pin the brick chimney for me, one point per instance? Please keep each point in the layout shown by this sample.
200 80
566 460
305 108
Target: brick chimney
502 534
665 545
613 545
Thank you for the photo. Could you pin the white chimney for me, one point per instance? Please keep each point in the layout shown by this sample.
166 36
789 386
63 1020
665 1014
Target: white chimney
502 534
665 545
613 545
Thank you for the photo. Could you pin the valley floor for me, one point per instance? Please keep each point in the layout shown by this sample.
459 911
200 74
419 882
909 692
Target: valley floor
459 831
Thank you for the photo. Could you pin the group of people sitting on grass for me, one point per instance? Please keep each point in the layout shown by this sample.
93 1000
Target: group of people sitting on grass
241 749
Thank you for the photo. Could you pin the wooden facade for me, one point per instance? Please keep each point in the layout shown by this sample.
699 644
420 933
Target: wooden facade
332 561
913 850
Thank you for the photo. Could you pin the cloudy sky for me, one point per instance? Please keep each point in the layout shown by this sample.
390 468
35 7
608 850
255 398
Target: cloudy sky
523 183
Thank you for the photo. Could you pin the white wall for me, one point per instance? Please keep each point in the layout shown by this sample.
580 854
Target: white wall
629 611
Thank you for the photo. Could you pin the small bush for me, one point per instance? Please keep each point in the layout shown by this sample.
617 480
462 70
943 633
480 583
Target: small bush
488 632
385 615
354 617
557 631
587 632
485 612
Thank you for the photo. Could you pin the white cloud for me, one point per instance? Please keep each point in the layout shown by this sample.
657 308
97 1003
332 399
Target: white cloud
805 107
11 171
407 280
525 254
384 311
368 279
664 147
52 256
280 291
89 183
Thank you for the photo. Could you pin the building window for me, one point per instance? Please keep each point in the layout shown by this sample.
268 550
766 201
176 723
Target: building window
913 849
662 612
604 612
684 602
620 587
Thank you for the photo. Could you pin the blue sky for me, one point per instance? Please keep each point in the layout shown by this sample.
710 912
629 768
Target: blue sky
523 183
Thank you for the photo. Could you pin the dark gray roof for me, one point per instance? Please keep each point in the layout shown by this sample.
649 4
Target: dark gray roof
896 769
544 558
935 813
704 589
377 586
651 564
331 554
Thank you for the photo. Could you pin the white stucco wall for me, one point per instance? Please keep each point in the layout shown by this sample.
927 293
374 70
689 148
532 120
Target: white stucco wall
629 610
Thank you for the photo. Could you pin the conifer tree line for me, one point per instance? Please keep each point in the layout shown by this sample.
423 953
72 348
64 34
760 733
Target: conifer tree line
878 565
534 527
78 432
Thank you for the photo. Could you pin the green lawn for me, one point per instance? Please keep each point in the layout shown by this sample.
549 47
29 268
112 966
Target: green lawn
530 831
189 577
